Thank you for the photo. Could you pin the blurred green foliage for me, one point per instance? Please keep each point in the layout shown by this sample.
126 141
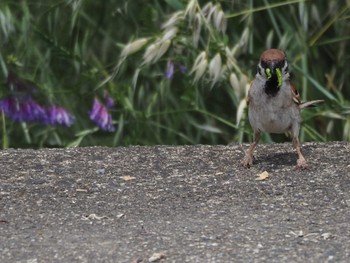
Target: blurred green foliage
71 50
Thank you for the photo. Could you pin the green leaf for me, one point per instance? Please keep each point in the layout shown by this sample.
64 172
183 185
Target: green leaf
86 132
317 85
176 4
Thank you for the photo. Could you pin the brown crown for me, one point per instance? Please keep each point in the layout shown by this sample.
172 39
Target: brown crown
274 55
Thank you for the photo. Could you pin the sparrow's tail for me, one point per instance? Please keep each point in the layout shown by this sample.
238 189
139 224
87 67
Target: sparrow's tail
309 104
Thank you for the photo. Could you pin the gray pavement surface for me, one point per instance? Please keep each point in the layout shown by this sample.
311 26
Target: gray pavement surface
188 203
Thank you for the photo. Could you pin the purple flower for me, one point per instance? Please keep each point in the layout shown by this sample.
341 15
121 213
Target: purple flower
109 101
28 110
7 104
169 70
32 111
25 109
58 115
21 107
100 115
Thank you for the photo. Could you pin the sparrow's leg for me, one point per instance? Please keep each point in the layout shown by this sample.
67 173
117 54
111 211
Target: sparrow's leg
301 162
248 158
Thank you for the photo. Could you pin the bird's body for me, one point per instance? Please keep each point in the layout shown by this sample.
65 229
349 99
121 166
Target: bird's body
272 114
274 103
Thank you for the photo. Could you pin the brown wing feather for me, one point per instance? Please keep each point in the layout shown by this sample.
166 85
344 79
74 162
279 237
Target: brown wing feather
248 99
295 93
302 105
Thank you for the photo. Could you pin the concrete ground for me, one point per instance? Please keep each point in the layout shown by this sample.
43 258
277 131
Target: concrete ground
175 204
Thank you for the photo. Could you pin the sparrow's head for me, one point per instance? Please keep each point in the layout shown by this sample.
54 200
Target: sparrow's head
273 66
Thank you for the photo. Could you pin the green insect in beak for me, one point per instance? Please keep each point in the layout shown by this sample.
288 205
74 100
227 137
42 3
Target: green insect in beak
268 73
279 77
278 74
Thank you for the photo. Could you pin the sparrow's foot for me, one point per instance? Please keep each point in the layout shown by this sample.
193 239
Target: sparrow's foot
248 160
301 163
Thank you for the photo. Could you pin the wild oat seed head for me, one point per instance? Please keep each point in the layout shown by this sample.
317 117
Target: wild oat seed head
170 33
239 85
207 9
150 53
173 20
197 26
155 51
244 85
202 56
200 69
235 84
215 68
220 21
162 49
247 87
133 47
210 13
191 9
240 110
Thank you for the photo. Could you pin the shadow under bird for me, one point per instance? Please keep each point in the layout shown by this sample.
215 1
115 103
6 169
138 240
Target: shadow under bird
274 103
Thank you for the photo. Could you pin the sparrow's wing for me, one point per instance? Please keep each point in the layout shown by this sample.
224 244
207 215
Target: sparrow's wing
302 105
248 99
295 93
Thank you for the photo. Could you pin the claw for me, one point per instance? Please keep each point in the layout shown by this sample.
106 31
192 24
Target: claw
301 163
247 160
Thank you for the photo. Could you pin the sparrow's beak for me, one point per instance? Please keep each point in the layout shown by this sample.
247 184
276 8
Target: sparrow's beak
270 69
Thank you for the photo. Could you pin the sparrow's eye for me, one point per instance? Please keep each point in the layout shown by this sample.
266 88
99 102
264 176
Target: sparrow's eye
280 64
264 64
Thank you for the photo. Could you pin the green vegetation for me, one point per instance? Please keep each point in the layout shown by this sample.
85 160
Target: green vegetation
78 73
